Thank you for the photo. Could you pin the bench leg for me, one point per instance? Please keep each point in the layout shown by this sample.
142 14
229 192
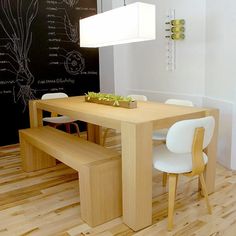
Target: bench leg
100 191
33 158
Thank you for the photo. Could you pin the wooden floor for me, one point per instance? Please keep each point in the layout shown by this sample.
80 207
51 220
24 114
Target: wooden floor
47 202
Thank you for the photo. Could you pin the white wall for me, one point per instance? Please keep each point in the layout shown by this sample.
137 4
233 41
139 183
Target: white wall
221 72
147 61
106 57
204 63
106 68
220 45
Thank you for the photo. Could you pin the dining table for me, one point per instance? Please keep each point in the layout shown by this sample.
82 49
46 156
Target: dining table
136 126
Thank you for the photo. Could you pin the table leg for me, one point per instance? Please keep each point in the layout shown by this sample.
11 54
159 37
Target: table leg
94 133
211 152
36 115
137 174
32 158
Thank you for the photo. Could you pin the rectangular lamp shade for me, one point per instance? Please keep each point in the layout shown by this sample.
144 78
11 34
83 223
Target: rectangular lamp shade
131 23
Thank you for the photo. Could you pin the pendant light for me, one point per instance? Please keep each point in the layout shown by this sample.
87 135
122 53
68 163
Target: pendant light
130 23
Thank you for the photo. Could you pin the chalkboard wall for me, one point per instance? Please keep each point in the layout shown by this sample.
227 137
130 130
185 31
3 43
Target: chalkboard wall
40 53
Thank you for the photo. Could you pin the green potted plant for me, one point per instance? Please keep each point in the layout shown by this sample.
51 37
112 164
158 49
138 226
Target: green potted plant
110 99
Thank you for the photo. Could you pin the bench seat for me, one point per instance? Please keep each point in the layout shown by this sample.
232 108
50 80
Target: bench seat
71 150
99 169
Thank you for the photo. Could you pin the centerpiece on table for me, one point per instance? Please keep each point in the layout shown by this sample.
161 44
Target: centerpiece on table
110 99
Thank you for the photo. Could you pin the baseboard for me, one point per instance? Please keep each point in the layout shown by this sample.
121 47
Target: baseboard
233 146
161 96
224 155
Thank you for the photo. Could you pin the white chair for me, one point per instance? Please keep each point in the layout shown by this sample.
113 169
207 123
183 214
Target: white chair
160 135
137 97
179 102
183 154
55 120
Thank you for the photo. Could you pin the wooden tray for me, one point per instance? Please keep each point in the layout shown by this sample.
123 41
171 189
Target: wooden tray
125 104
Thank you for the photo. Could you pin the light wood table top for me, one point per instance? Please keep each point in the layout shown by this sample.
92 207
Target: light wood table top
136 126
111 117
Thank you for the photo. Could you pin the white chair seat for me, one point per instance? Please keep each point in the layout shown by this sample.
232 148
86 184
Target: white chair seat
59 120
160 134
169 162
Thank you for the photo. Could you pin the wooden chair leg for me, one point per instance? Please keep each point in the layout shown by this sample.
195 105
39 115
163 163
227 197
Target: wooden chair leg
77 128
176 184
171 201
67 128
164 179
204 190
105 136
53 125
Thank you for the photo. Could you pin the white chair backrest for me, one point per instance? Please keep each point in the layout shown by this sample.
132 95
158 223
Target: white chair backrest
179 102
54 95
138 97
180 135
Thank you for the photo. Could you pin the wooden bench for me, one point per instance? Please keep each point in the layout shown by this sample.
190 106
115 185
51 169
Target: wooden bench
99 169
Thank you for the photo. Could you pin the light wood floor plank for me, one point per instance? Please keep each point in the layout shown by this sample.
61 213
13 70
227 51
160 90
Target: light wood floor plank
47 202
